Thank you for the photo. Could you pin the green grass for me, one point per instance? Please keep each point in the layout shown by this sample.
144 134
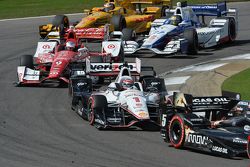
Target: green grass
25 8
239 83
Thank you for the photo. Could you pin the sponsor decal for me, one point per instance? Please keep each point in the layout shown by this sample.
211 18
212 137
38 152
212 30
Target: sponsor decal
81 84
114 119
58 63
111 46
210 100
197 139
46 46
238 140
108 67
143 114
196 120
220 149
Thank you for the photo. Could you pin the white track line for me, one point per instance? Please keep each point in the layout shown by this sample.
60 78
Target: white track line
176 80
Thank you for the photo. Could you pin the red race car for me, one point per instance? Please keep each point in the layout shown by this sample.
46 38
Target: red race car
54 60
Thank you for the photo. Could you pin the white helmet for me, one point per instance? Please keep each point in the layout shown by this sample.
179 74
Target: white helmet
109 6
126 82
70 45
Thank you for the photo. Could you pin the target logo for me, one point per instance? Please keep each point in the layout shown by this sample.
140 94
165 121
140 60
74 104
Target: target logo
111 46
46 47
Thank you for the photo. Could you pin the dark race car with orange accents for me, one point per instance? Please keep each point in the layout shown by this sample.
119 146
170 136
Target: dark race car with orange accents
202 123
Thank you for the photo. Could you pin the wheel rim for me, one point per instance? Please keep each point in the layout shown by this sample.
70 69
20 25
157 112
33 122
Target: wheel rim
176 132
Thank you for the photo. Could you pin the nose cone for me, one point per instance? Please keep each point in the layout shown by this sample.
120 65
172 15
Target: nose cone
60 63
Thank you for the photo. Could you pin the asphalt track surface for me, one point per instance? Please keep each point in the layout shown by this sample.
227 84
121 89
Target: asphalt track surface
38 128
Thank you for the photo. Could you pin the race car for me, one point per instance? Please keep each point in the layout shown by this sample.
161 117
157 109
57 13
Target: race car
120 14
127 102
56 57
183 32
202 123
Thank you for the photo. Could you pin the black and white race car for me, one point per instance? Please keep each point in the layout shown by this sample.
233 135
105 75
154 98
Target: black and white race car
202 123
185 29
131 100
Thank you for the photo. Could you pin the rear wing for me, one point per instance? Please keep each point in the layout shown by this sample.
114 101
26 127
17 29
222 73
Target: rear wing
206 103
210 10
112 69
90 33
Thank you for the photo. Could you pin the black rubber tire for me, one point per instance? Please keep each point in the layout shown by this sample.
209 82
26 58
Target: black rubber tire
192 37
177 131
119 22
231 29
96 102
27 60
60 19
248 147
128 34
163 14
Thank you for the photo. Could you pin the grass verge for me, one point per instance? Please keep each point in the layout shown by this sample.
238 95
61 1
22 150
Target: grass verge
239 83
25 8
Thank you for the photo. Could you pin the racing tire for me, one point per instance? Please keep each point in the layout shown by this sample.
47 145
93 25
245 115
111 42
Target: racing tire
128 34
96 103
176 131
119 22
163 13
248 147
59 20
231 29
27 60
192 37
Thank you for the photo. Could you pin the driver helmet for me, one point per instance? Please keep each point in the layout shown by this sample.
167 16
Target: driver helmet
126 82
70 45
175 20
109 6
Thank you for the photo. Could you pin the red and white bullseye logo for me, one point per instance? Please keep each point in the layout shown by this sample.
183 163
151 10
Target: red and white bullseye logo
46 47
111 46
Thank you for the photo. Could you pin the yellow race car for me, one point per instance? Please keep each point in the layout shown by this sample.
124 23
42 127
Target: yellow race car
136 15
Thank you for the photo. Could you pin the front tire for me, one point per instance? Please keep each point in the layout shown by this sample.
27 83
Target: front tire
97 105
27 60
177 131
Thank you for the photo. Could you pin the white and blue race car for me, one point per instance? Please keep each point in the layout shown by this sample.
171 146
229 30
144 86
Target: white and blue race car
184 30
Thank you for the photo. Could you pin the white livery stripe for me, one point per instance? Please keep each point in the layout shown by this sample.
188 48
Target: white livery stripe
176 80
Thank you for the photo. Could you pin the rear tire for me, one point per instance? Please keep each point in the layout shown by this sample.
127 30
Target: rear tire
60 19
177 131
192 37
27 60
231 29
119 22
